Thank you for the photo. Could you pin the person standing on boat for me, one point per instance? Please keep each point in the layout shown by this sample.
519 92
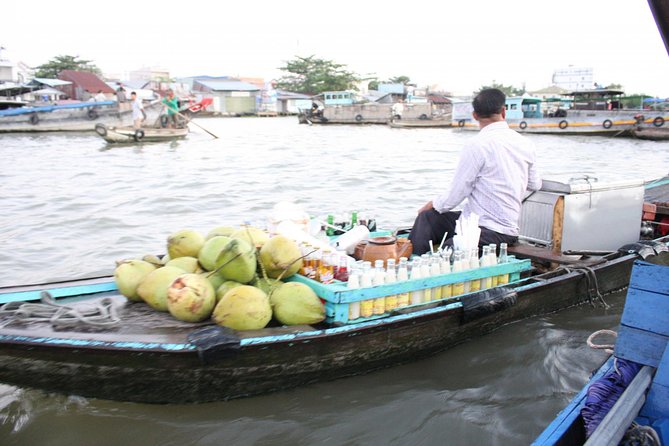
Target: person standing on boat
100 97
495 170
121 98
137 110
170 102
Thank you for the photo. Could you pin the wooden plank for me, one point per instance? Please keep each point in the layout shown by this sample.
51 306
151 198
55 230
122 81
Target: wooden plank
547 255
640 346
657 405
646 310
558 223
614 425
650 277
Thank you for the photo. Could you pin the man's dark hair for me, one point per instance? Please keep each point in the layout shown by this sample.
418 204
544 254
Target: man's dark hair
489 102
135 93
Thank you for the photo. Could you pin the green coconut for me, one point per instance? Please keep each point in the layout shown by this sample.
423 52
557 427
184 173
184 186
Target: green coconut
267 285
153 289
280 254
221 230
184 243
256 237
191 298
186 263
215 280
237 261
243 308
295 303
225 287
129 274
154 260
211 250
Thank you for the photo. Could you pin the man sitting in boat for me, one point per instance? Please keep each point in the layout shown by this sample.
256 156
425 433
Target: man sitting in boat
495 170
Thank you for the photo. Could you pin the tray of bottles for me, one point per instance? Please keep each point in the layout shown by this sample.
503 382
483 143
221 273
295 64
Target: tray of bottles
345 305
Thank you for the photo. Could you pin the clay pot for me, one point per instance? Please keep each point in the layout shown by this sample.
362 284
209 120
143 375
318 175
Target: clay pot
383 248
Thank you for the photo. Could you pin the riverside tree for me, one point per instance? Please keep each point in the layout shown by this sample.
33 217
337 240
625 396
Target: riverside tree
311 75
508 90
52 68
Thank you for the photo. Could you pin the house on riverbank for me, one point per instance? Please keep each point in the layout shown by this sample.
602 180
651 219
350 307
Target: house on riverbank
231 97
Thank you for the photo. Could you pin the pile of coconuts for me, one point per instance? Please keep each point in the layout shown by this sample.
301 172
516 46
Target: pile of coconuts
233 276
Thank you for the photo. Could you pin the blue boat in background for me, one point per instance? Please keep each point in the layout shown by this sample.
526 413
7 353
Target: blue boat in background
628 397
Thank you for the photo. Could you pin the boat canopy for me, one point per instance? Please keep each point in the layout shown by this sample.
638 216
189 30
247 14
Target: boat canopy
523 107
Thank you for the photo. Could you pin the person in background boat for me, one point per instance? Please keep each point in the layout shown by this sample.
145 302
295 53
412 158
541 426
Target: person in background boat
170 102
121 98
398 109
100 97
137 110
495 170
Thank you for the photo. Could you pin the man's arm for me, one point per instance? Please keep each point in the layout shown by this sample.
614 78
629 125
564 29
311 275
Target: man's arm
533 179
469 166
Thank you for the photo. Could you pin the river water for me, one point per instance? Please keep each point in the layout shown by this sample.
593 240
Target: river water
71 205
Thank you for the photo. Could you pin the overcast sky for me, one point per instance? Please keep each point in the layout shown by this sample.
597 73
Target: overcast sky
456 45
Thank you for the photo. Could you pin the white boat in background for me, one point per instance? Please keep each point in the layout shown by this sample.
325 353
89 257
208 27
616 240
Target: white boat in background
590 112
75 116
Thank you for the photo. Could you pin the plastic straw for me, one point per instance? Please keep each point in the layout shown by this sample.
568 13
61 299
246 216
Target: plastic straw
431 247
441 245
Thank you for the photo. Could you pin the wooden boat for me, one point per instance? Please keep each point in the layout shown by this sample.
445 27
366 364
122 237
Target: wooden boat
643 374
420 123
146 356
80 116
592 112
150 357
129 134
651 133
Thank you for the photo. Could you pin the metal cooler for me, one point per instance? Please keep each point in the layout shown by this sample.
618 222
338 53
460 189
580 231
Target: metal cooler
583 215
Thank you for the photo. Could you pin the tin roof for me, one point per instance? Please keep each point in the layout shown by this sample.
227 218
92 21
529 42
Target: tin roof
86 80
51 82
228 85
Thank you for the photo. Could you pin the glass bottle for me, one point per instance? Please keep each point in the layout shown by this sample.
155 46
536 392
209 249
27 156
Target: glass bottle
493 261
445 268
458 288
416 297
425 272
353 307
403 275
391 277
474 263
326 269
503 279
435 270
486 282
366 281
342 267
379 279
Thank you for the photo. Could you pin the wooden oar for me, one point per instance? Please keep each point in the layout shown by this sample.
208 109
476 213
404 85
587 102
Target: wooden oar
192 122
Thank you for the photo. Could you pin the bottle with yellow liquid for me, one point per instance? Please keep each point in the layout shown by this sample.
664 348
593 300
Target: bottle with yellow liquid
366 281
474 263
425 272
435 270
391 277
503 279
403 275
416 296
458 258
354 307
445 268
379 305
493 261
486 282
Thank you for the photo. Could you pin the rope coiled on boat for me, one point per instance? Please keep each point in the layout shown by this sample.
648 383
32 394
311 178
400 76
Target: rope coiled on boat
591 282
100 314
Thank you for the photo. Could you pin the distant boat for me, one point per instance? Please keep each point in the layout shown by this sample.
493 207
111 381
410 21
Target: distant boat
653 134
129 134
77 116
429 122
590 112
